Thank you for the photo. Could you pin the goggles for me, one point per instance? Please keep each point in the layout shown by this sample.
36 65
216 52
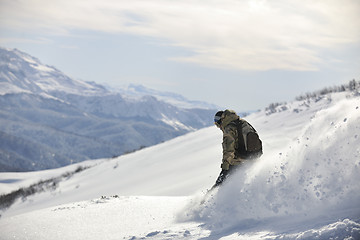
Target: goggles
217 120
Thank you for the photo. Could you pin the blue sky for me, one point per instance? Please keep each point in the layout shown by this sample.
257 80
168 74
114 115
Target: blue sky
237 54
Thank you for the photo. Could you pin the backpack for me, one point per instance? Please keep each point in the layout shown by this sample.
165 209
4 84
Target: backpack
249 143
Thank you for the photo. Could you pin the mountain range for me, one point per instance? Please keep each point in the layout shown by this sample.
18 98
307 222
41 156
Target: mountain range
48 119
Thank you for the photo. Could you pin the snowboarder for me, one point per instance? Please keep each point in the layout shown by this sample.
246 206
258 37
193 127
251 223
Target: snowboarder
236 148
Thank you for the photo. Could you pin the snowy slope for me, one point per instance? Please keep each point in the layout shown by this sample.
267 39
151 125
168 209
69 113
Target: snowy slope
305 186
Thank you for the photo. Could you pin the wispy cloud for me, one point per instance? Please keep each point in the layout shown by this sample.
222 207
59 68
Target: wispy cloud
6 40
229 34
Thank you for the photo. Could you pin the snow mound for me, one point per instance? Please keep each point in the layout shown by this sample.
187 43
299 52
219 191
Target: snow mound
315 176
106 217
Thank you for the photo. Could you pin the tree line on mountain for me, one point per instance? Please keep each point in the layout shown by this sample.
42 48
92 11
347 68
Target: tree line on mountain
352 86
6 200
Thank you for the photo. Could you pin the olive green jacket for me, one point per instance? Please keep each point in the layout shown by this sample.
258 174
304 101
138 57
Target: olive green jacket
230 139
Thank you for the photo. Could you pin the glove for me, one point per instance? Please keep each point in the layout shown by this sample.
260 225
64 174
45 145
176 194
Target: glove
225 166
222 176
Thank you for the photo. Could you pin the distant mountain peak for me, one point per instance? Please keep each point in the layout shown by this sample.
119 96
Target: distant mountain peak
20 72
139 91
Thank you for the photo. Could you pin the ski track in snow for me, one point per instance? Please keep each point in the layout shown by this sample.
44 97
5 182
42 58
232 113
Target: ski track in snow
305 186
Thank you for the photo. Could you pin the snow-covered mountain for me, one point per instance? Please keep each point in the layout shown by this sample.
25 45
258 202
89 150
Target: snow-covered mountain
20 72
138 91
305 186
48 119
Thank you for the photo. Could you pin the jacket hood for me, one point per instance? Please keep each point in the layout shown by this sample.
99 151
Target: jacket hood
227 117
